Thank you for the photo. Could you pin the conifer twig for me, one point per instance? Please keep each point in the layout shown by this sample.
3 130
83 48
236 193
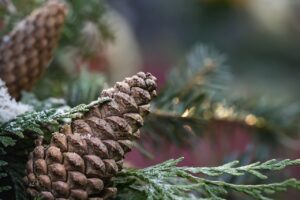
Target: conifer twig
254 168
187 94
32 121
167 181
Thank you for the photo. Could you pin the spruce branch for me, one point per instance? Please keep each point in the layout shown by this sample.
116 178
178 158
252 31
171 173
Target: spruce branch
84 87
203 74
168 181
184 101
194 97
279 118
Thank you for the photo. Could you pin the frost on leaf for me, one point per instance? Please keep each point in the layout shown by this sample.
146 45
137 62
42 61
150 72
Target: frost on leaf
9 108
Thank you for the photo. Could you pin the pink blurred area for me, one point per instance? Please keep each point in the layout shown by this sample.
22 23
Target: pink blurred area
204 151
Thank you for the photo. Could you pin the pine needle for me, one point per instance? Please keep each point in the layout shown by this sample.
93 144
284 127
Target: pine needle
190 87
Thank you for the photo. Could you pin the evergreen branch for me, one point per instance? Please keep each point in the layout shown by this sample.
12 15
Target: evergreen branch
33 121
192 99
254 168
7 141
202 75
255 191
183 104
38 105
84 87
167 181
268 116
177 129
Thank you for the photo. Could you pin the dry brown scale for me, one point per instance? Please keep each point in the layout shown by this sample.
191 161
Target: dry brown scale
82 159
27 50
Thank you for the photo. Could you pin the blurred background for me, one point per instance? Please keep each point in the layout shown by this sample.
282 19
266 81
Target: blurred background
255 44
259 37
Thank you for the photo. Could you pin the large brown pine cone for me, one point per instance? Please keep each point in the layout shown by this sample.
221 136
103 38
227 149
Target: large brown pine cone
82 159
27 50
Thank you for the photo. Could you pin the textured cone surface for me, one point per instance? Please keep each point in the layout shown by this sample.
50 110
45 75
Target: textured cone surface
27 50
82 159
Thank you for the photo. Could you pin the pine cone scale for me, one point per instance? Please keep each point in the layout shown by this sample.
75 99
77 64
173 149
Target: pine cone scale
82 159
27 50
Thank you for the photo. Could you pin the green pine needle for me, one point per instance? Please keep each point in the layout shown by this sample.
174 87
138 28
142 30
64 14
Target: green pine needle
187 95
7 141
167 181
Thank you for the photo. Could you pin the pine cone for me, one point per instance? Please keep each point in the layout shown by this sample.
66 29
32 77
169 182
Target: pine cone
27 50
82 159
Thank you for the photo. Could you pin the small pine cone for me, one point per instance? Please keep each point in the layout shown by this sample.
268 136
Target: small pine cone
27 50
81 160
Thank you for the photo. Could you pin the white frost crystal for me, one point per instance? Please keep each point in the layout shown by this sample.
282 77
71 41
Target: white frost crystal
9 108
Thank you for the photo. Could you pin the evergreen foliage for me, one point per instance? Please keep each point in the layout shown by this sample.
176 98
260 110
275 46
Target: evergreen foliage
84 35
80 13
33 121
198 93
193 97
186 99
84 88
12 132
168 181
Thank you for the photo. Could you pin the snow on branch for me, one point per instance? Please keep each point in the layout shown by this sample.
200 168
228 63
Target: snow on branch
9 108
